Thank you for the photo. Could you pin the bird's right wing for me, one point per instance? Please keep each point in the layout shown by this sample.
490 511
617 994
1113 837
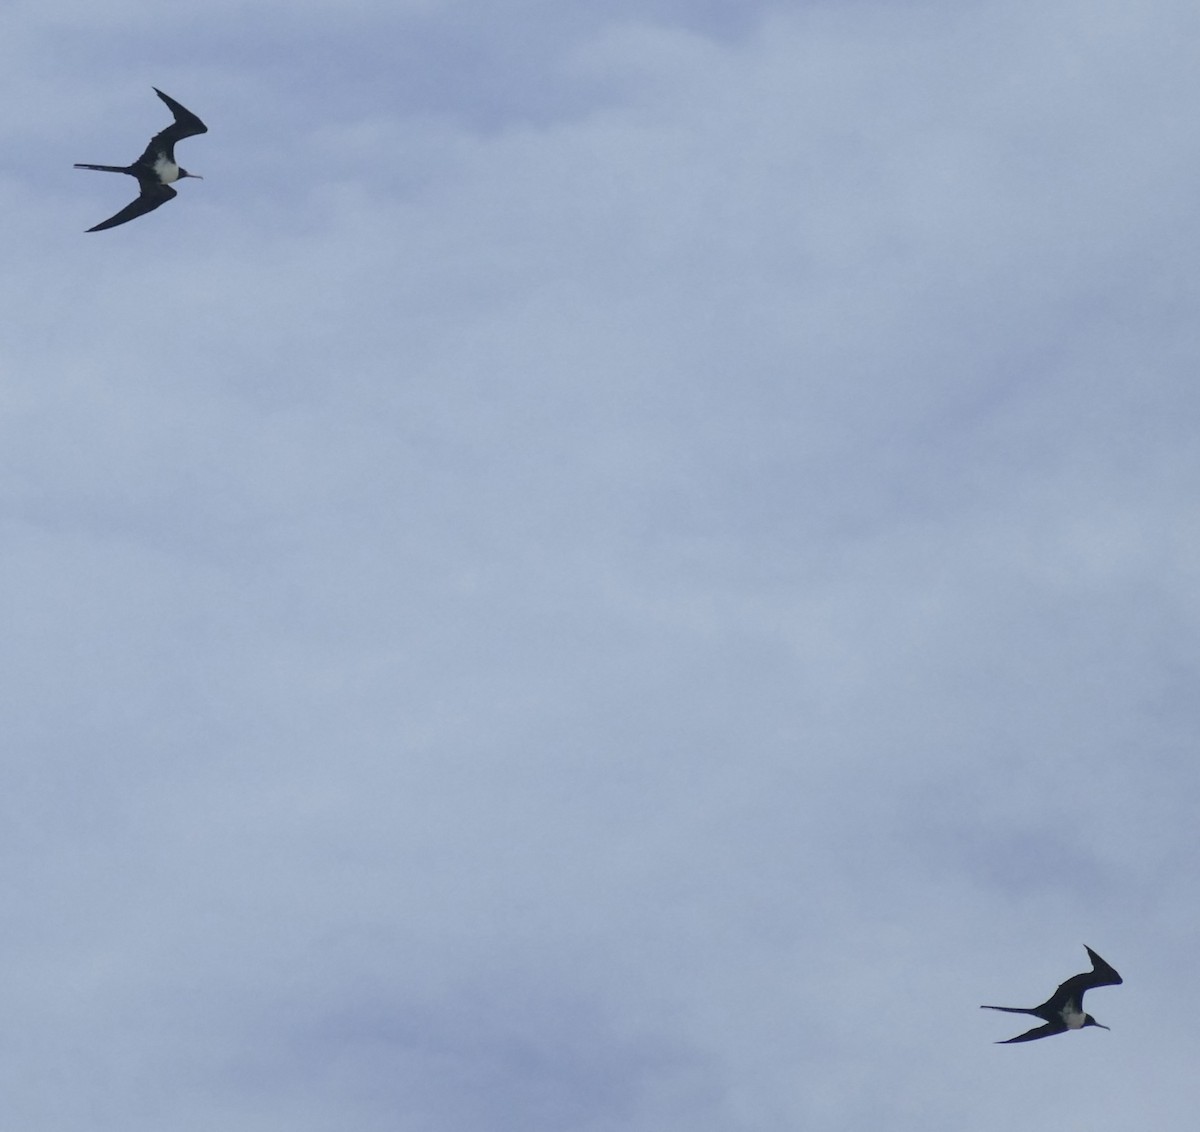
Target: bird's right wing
1103 974
186 123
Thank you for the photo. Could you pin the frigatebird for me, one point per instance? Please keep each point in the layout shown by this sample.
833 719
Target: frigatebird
1063 1010
156 168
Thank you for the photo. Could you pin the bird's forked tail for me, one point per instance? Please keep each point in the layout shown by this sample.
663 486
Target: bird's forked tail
104 168
1011 1010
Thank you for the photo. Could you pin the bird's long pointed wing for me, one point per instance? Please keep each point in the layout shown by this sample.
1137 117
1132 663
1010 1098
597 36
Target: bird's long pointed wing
186 125
1101 975
147 202
1037 1032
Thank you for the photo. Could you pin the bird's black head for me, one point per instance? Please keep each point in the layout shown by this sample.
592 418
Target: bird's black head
184 173
1088 1020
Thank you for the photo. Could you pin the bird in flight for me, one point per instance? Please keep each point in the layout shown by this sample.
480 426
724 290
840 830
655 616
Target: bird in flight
156 169
1063 1010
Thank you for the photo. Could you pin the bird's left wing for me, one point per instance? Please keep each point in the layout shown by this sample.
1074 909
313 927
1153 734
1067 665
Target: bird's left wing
1037 1032
147 202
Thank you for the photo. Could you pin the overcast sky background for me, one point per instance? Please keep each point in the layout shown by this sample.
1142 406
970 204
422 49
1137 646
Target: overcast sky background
616 565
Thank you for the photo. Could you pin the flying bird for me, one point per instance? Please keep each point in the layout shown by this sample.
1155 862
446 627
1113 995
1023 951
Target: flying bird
156 169
1063 1010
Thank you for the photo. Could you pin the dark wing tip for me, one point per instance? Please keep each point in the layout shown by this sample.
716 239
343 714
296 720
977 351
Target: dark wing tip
183 116
1101 967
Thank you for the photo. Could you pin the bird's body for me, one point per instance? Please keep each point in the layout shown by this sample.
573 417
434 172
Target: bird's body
156 170
1063 1010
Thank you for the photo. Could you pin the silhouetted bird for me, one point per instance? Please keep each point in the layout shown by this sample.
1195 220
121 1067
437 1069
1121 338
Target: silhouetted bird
156 168
1063 1010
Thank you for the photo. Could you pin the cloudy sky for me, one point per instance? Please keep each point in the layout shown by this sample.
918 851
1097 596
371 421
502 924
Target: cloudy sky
615 565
